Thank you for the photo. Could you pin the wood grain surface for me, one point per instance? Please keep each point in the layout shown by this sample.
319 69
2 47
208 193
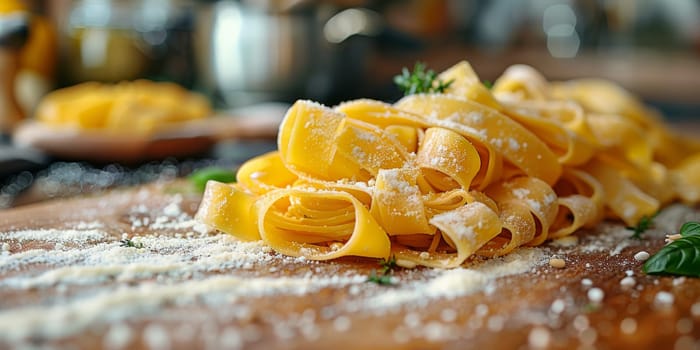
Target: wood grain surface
544 307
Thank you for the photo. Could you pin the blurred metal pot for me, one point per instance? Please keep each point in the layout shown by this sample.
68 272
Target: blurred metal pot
114 40
248 53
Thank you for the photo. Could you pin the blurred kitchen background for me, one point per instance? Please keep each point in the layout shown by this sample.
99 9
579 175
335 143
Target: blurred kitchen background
243 53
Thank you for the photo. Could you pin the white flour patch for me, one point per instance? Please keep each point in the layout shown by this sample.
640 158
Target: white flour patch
460 281
82 234
174 257
71 317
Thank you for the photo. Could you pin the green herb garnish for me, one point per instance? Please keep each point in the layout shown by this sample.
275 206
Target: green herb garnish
488 84
388 266
645 223
200 177
680 257
126 242
420 81
384 279
591 307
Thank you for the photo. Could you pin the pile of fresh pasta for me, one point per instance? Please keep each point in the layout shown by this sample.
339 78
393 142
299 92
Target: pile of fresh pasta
435 179
113 107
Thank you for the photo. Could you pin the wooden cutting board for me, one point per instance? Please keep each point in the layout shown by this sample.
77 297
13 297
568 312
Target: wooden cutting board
67 281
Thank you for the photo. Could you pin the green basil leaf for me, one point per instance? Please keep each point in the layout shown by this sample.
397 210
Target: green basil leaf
690 229
200 177
680 257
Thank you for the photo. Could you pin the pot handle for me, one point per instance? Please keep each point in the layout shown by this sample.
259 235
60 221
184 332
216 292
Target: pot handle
368 23
351 22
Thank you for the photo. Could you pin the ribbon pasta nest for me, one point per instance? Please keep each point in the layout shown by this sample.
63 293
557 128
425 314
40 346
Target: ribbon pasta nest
436 178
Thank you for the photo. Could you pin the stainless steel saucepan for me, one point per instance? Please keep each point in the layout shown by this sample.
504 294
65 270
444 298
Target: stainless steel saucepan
249 52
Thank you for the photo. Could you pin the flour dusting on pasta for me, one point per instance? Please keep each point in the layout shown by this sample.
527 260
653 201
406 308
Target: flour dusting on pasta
468 172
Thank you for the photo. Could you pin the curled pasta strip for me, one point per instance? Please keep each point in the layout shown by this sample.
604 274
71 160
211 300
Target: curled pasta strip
535 195
570 148
380 114
575 211
397 203
623 198
360 190
448 160
581 202
369 147
466 84
621 136
229 209
602 97
521 82
468 228
567 113
597 96
476 122
653 178
409 137
519 228
306 129
265 173
385 115
438 202
293 235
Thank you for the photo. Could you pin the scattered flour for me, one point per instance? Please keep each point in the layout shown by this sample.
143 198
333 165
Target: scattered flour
196 268
81 234
460 281
126 302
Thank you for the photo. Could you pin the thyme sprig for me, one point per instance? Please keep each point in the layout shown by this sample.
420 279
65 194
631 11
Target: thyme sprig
645 223
126 242
384 280
387 267
420 81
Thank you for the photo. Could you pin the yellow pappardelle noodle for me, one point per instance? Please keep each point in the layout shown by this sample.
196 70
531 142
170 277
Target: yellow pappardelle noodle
139 106
436 178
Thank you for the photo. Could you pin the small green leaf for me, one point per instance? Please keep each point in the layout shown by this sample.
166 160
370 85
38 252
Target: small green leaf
680 257
420 80
388 265
200 177
645 223
690 228
384 280
488 84
127 243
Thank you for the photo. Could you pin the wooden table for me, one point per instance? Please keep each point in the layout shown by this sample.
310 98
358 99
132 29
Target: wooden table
77 287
